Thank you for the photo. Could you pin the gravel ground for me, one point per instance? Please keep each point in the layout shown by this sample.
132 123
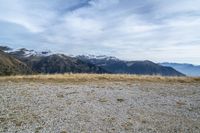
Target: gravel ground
110 107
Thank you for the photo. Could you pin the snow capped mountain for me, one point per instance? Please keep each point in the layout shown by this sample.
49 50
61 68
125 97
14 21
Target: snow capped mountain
27 53
114 65
98 57
48 62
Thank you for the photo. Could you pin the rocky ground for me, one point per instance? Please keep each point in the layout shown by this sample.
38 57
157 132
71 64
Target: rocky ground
95 107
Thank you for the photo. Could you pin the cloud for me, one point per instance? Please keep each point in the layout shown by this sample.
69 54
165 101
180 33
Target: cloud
132 30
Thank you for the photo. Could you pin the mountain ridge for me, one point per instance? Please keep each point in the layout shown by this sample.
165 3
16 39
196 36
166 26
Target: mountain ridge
47 62
146 67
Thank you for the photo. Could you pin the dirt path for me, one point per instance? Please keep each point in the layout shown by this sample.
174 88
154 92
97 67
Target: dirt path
111 107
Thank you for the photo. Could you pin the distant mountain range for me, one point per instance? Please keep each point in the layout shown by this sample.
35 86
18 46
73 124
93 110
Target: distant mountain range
29 61
115 65
47 62
187 69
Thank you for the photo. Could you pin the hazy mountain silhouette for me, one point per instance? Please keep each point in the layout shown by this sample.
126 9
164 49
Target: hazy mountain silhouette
187 69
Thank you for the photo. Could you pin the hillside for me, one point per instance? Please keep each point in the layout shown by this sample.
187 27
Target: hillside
12 66
45 62
59 63
115 65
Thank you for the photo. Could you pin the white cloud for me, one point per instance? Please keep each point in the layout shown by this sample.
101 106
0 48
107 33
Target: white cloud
150 29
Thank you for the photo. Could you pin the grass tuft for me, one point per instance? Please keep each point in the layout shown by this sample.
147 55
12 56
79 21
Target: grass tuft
97 77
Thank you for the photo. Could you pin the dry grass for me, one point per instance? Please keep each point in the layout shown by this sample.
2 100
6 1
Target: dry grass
98 77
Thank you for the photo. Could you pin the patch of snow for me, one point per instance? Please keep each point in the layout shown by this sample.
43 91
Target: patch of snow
28 53
100 57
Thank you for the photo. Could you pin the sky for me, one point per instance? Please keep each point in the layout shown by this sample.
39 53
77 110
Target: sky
156 30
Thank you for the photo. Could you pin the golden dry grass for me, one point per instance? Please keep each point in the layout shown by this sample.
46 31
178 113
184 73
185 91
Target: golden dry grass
98 77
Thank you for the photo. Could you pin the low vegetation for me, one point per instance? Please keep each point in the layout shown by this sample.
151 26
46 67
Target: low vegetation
98 77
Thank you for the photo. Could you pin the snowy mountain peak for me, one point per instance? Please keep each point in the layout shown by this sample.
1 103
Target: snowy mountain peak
99 57
23 52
